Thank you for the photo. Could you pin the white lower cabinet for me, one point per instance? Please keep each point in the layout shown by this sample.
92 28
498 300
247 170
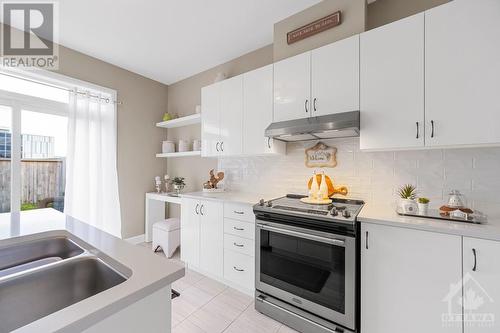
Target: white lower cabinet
202 229
405 276
481 288
239 269
218 246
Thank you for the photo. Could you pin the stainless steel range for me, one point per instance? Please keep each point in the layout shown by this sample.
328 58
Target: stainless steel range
306 263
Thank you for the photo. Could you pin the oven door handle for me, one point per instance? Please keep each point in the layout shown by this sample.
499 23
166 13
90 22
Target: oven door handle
332 241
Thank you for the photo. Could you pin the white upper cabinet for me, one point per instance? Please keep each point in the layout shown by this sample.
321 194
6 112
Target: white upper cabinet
231 116
462 75
210 132
335 77
481 276
292 87
405 275
258 112
392 85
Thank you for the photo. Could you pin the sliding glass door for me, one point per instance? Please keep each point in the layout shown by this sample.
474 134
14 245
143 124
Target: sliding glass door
5 157
33 138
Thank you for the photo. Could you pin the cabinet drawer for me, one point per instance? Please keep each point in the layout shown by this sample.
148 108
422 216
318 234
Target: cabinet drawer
238 211
239 269
239 228
239 244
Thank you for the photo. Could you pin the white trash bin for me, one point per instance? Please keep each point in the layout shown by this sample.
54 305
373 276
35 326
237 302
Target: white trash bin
167 235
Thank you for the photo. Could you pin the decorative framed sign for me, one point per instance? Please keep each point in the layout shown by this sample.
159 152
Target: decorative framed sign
321 156
314 28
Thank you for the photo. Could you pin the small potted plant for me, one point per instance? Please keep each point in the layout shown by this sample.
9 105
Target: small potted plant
179 184
423 206
407 194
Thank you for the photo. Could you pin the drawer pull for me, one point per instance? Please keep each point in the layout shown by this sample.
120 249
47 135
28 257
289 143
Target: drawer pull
238 212
239 229
238 269
238 245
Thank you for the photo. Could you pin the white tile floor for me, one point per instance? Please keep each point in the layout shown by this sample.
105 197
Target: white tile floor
208 306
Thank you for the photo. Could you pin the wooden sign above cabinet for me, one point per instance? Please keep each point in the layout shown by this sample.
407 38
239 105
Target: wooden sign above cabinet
314 28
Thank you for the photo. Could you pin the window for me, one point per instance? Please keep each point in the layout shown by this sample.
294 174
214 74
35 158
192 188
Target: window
33 139
5 157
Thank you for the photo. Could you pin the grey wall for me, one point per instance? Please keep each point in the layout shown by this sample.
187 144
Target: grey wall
144 102
353 22
386 11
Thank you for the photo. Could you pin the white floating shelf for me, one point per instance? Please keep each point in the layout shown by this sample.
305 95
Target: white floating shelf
180 154
182 121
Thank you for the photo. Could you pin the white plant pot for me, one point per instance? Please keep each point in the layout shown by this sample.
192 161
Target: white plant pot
423 208
408 206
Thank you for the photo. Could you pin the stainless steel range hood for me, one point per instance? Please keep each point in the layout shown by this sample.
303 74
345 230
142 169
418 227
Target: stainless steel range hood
338 125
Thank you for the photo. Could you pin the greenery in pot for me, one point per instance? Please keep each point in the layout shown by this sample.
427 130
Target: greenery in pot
423 201
178 181
408 192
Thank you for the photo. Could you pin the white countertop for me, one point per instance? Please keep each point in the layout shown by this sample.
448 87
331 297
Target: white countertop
387 215
241 197
380 215
148 272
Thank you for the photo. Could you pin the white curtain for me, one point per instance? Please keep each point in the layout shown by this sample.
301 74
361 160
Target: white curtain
91 176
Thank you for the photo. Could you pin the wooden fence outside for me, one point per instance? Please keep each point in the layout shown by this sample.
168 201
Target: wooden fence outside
40 179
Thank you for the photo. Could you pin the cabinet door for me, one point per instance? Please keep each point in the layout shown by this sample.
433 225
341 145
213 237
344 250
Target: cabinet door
335 77
405 275
212 237
231 116
210 134
462 77
292 88
480 283
190 231
258 111
392 85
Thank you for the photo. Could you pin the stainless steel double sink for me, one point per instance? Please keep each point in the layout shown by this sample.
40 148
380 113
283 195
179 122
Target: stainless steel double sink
41 276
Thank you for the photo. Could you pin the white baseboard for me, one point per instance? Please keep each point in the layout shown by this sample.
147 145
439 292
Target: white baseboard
137 239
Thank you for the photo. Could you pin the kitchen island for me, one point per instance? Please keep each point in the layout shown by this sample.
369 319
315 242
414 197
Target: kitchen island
141 302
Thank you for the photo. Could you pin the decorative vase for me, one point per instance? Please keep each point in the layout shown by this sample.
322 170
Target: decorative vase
178 188
408 206
423 208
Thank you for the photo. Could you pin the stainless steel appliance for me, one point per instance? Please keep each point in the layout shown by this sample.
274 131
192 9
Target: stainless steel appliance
337 125
306 263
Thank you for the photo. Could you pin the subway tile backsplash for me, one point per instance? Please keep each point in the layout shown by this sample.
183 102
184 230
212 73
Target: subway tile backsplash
376 176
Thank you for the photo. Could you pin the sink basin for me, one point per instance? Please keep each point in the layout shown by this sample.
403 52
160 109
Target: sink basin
27 297
35 253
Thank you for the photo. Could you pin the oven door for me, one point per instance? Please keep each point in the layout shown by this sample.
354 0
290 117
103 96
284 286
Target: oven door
309 269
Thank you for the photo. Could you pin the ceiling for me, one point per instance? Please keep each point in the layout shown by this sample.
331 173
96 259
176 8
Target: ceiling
169 40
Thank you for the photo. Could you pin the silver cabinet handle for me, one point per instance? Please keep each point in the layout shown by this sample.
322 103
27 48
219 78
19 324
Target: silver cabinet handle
269 142
222 146
238 245
314 104
196 209
238 229
306 104
201 210
238 269
474 268
217 146
418 131
366 240
432 128
238 212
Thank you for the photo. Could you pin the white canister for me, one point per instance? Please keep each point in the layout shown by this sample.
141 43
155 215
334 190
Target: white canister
183 145
196 145
168 147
